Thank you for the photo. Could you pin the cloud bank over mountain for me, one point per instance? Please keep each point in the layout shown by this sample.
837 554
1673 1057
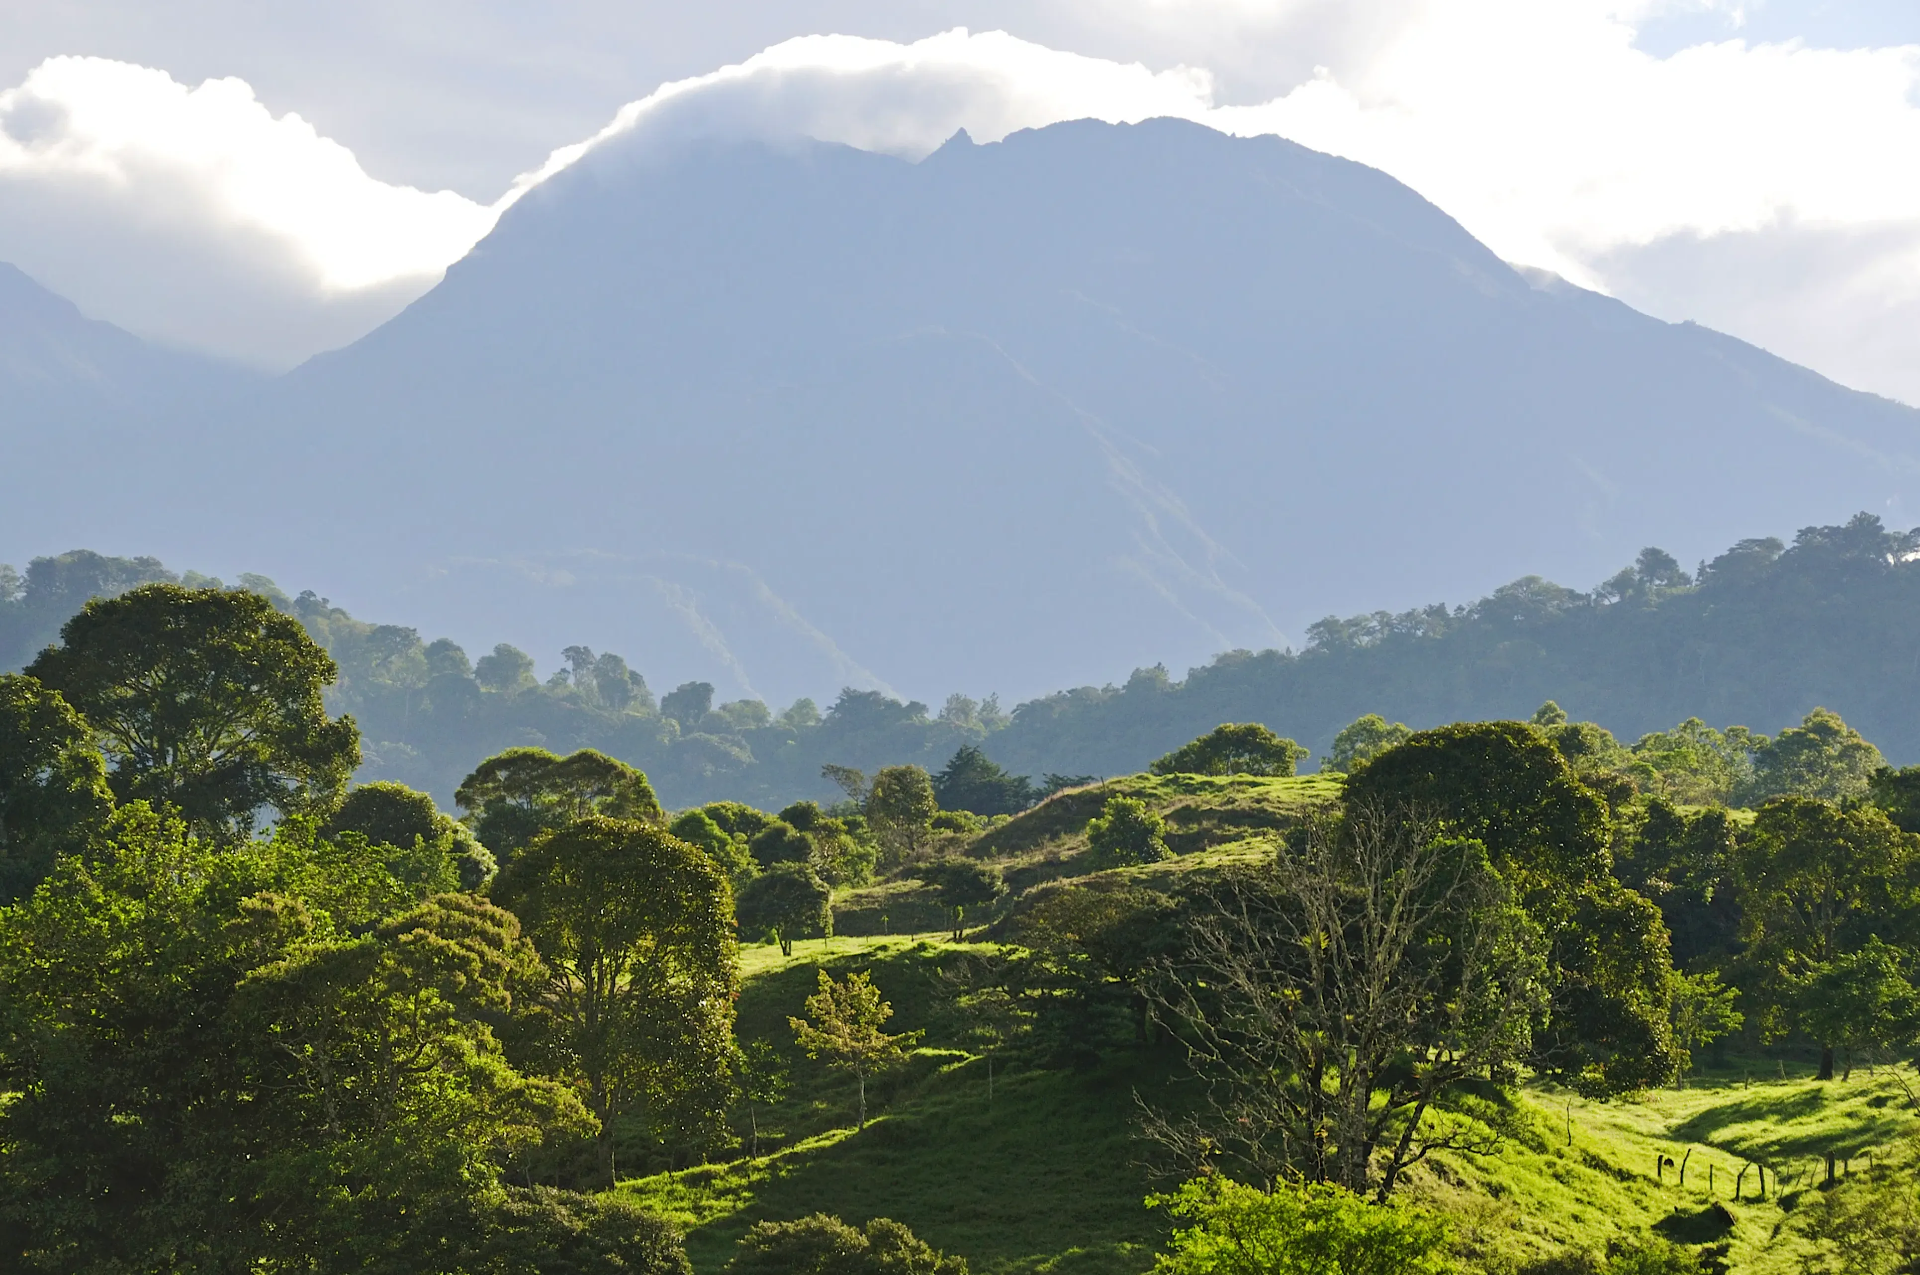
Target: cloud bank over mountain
197 217
1757 187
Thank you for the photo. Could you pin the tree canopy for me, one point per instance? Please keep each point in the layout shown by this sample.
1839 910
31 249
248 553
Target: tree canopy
204 700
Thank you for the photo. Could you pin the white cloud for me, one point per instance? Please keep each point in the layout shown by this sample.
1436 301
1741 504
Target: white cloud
1765 188
196 216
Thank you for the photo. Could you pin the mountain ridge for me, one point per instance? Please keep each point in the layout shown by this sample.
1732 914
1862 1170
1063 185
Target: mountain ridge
1022 415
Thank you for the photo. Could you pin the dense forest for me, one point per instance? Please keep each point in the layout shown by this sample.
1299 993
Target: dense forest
1758 636
255 1017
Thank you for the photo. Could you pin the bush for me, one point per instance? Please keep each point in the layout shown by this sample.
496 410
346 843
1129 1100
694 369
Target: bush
1300 1229
1126 831
824 1245
543 1229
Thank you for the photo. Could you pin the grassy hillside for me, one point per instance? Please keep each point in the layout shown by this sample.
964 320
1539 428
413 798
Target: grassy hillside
1049 1177
1210 820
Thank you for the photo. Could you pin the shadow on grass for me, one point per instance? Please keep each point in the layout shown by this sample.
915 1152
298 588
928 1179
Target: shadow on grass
1763 1123
1704 1226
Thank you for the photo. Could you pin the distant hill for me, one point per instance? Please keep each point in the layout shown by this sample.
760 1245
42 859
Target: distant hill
788 418
1759 636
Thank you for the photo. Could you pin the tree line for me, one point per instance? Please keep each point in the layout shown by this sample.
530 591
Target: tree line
1760 634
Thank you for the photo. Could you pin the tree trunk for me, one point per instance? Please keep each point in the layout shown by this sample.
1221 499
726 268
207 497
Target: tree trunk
1826 1062
753 1124
602 1105
862 1077
1846 1072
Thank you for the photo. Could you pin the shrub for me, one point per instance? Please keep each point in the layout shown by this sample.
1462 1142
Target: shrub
1126 831
1300 1229
824 1245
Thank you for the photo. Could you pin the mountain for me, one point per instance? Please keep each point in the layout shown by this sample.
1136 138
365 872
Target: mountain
793 416
57 366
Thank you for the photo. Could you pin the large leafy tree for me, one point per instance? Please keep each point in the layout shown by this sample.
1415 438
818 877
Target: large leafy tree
53 783
218 1062
636 929
205 700
1506 786
514 796
1331 1001
1818 881
900 806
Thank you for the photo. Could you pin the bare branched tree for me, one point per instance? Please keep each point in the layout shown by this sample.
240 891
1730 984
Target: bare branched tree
1333 997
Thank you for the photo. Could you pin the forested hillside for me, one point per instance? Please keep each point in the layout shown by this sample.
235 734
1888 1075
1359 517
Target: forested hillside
1495 998
1759 636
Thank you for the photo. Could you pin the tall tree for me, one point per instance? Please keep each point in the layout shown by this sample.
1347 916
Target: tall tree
974 782
514 796
1332 1000
1816 882
900 805
53 783
204 700
1505 785
636 929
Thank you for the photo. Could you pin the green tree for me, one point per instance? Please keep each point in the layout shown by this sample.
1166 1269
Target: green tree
1505 785
390 814
507 669
1703 1011
1333 1001
1816 881
824 1245
900 805
763 1077
844 1026
780 842
1297 1229
974 782
514 796
636 929
1233 749
212 1067
1126 831
206 701
1364 739
961 884
788 900
1863 1000
1821 757
688 704
547 1230
697 828
1694 764
53 784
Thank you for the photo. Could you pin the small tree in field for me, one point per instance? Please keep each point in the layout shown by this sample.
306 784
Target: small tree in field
843 1026
762 1074
1126 831
790 900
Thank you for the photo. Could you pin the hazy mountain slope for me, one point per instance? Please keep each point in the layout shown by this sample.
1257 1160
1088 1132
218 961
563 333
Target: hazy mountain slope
1011 418
56 364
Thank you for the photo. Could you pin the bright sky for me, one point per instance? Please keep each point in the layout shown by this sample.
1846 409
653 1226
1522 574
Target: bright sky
265 181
